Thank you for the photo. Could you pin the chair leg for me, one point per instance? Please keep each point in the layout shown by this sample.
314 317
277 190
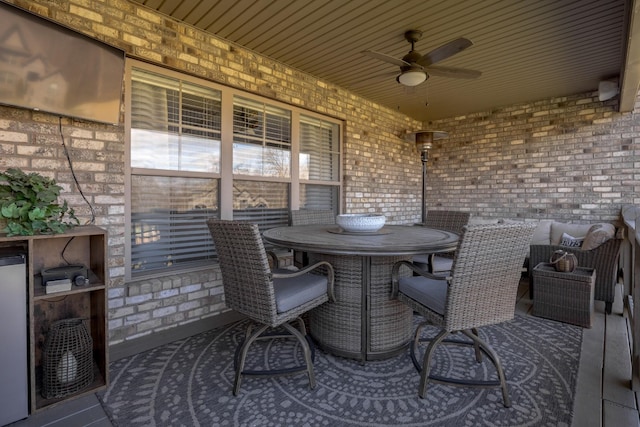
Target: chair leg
301 326
251 336
416 344
426 362
241 355
476 346
480 346
306 349
496 362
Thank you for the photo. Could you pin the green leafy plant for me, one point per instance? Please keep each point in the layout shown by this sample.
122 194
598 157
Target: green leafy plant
29 205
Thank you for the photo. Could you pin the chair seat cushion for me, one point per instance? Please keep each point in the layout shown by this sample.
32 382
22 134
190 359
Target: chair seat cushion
428 292
440 264
422 258
292 292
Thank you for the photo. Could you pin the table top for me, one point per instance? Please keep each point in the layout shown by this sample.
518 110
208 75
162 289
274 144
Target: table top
390 240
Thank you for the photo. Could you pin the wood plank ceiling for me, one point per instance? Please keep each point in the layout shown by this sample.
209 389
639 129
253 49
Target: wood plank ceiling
526 50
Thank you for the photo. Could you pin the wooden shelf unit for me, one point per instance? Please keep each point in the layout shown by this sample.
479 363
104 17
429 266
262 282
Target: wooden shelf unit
86 245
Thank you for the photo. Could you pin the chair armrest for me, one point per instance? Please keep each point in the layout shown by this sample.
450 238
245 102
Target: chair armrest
396 271
275 261
607 251
329 272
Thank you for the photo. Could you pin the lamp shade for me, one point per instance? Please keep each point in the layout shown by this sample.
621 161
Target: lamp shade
412 77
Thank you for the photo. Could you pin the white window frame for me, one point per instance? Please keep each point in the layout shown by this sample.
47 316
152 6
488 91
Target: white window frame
225 176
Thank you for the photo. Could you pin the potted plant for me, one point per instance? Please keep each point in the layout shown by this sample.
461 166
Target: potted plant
29 205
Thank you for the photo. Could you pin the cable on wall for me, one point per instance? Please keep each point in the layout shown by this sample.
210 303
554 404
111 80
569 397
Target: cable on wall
66 153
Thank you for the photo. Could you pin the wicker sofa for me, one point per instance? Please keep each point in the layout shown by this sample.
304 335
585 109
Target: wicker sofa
601 254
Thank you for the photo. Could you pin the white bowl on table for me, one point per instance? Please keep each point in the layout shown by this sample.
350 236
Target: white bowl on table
360 223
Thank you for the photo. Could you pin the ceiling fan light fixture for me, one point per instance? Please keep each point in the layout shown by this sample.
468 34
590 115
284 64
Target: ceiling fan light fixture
412 77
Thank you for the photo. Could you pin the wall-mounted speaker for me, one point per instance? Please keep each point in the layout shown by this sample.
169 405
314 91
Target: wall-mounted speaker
607 89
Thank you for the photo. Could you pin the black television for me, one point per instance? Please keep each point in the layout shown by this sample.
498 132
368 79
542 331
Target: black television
48 67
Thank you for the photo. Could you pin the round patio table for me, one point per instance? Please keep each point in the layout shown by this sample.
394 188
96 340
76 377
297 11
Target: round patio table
364 322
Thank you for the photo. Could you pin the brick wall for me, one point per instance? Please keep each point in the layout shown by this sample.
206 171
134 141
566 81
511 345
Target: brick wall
571 158
560 158
31 141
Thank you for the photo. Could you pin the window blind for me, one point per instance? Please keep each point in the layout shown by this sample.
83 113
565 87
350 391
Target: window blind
168 221
261 139
175 175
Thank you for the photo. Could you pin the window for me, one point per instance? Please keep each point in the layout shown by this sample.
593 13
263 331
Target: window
168 219
174 138
264 203
319 164
261 148
174 125
176 179
261 139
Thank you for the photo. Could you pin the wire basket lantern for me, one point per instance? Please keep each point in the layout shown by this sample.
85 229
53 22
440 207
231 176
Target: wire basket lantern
67 360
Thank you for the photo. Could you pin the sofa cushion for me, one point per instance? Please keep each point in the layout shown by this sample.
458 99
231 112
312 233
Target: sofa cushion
542 233
574 230
597 235
570 241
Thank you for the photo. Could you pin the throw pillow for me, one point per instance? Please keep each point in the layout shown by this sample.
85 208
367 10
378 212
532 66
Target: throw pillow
558 228
570 241
597 235
542 233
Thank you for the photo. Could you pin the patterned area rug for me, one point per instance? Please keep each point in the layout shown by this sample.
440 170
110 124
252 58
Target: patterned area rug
188 383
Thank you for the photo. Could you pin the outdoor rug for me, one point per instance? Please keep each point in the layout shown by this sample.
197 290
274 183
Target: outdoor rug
188 383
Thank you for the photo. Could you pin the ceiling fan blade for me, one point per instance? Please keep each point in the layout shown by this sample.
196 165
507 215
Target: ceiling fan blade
445 51
458 73
385 58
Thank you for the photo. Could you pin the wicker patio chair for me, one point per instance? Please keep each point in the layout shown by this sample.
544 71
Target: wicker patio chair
311 216
270 299
452 221
604 259
480 291
308 217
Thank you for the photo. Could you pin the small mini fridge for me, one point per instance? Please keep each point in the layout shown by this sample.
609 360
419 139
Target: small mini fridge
14 376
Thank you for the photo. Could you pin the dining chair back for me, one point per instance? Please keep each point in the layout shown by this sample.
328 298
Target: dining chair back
480 291
309 217
312 216
452 221
270 299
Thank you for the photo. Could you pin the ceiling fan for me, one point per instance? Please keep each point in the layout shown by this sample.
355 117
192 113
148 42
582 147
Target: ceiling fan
415 68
